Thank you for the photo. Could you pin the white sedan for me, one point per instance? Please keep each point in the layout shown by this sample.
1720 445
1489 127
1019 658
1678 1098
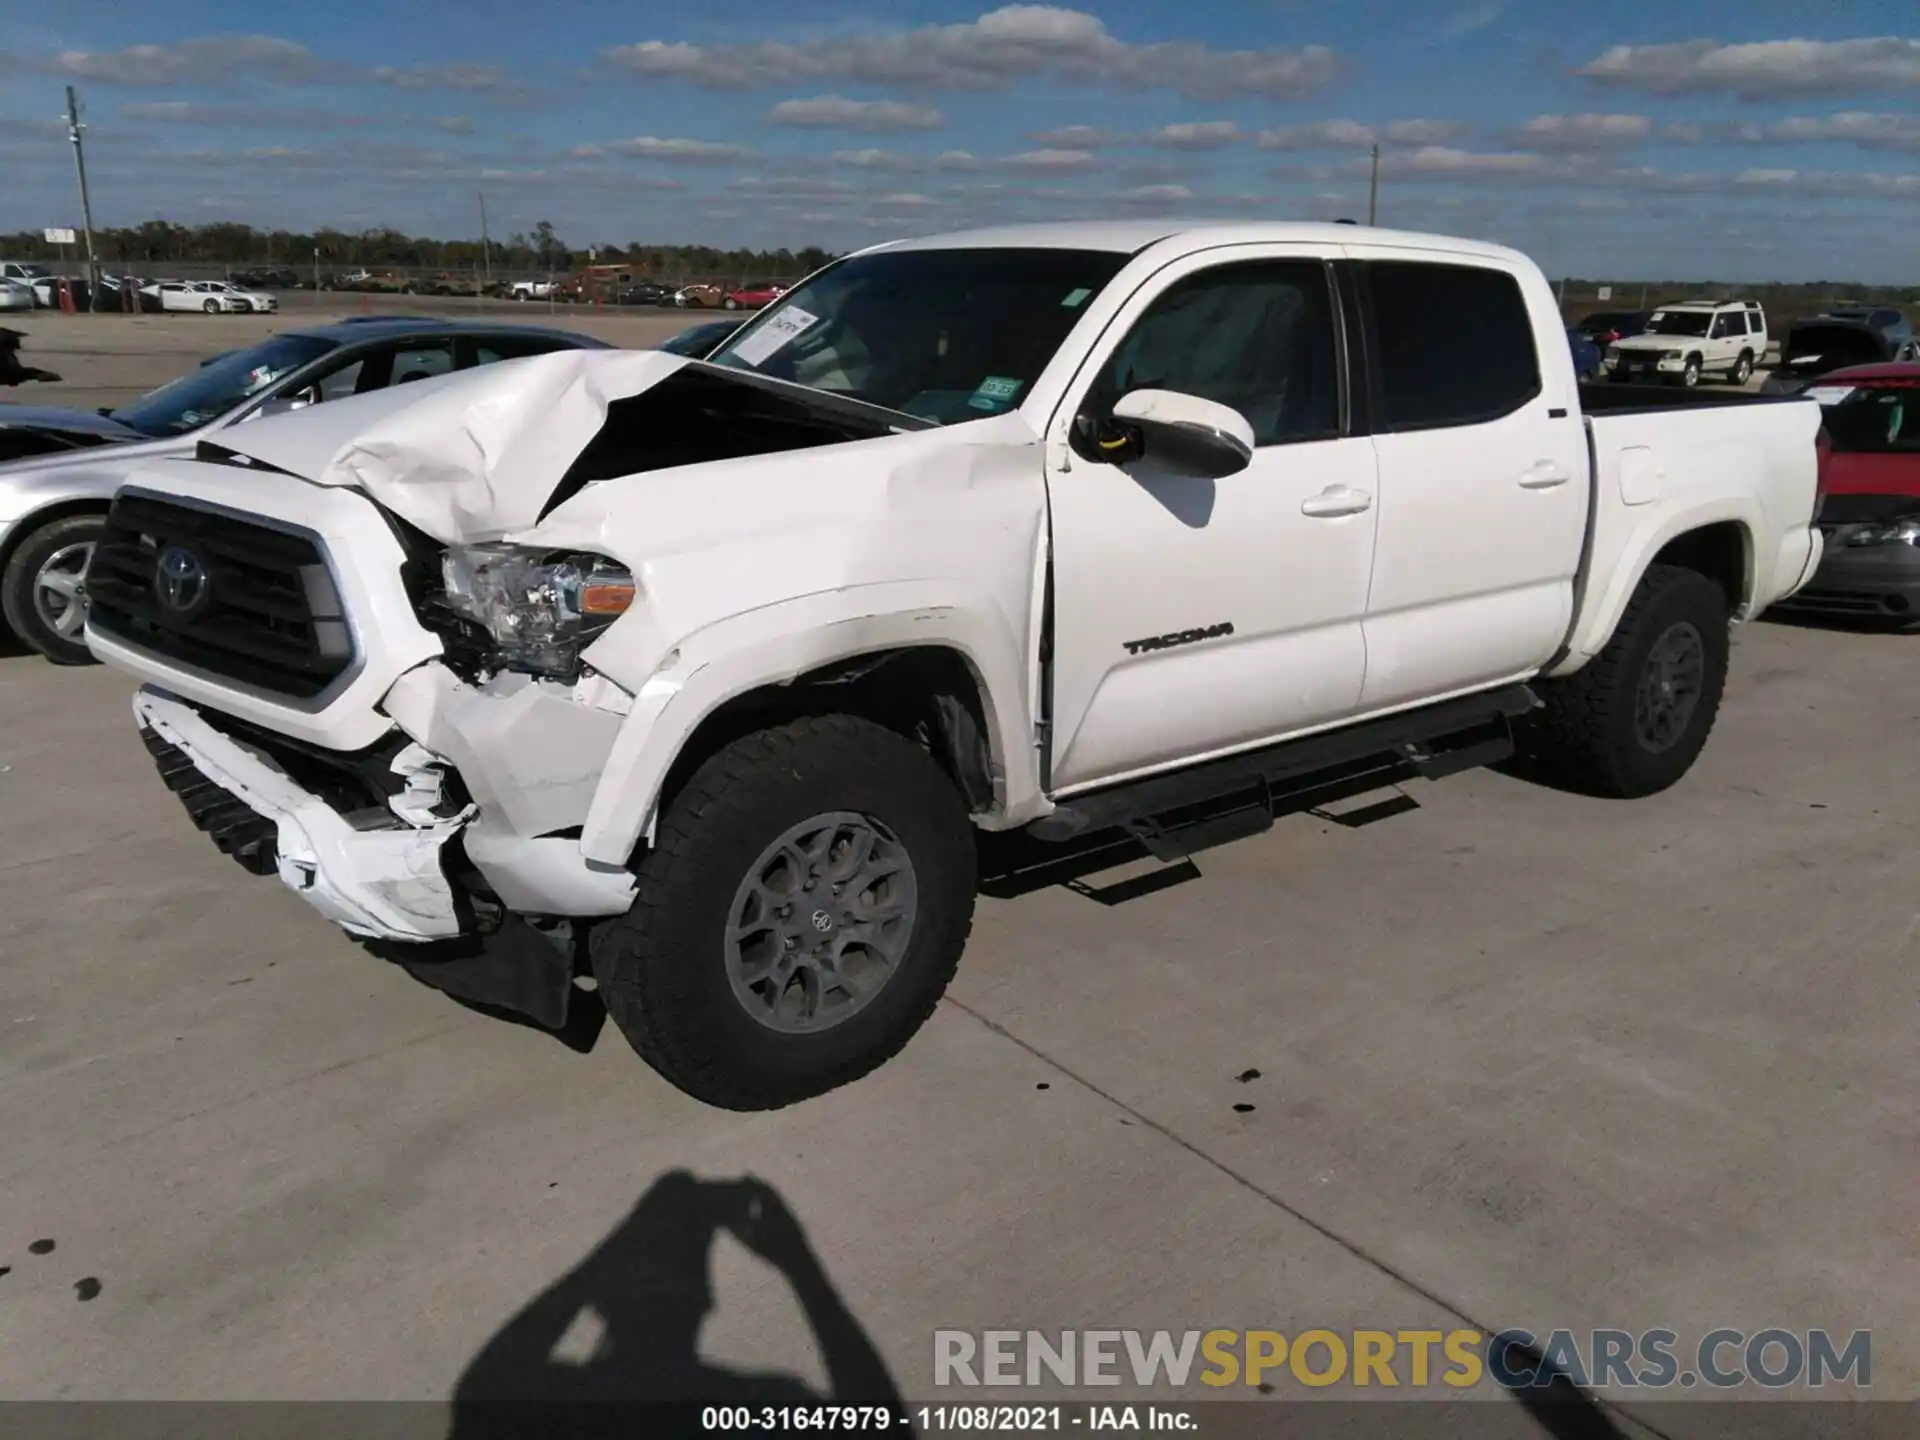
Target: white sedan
215 297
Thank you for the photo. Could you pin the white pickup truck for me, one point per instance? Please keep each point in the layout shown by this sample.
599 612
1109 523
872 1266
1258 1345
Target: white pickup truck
706 678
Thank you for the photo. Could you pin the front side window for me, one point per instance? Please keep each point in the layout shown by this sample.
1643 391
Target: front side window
1257 336
941 335
1452 344
1723 326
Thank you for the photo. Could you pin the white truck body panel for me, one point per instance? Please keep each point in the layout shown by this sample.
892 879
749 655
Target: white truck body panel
1361 575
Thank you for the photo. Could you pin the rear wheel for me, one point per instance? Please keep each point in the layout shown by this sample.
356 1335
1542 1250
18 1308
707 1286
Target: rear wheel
212 307
799 917
730 303
1742 369
41 592
1634 720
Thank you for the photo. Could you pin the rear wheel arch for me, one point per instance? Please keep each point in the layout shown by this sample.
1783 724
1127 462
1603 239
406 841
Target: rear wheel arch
1723 552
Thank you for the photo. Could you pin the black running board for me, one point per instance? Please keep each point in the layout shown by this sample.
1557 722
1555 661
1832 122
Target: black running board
1182 813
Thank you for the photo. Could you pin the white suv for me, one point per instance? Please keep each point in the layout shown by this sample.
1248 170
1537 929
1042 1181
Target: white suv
1686 342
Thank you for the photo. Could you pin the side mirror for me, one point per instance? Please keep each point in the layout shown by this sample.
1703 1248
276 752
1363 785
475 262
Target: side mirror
279 405
1201 439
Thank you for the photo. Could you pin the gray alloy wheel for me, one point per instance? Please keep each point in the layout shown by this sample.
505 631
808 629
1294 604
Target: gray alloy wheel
59 600
1670 687
821 922
1743 369
1690 377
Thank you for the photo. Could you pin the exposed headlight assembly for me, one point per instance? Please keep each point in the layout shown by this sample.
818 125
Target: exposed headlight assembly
1905 531
541 608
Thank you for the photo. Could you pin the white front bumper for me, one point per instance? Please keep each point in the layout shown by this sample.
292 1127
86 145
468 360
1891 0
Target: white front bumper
387 884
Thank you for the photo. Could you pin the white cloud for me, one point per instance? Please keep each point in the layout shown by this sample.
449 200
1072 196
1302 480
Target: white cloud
1352 135
212 59
1003 45
653 147
453 124
1158 193
1050 160
1197 135
1443 160
1583 132
906 201
453 75
956 160
1760 70
1473 17
875 160
1078 137
833 112
1868 131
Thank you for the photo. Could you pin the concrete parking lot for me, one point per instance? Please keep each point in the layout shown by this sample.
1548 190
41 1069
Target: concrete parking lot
1523 1059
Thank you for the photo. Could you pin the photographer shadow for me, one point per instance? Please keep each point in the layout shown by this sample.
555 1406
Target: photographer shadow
648 1286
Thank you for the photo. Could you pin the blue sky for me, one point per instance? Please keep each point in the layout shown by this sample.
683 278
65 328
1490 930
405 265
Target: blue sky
1755 140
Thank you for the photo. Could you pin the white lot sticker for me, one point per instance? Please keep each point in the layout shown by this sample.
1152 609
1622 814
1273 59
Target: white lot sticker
778 331
1829 394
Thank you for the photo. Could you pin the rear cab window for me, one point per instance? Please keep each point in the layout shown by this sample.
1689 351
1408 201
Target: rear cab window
1451 344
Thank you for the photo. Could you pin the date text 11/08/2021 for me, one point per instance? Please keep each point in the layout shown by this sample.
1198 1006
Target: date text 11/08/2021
924 1419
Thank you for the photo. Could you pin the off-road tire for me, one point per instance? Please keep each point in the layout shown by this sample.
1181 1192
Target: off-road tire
662 967
1585 733
17 585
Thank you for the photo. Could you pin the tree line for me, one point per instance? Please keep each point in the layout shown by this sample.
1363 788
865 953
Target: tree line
159 242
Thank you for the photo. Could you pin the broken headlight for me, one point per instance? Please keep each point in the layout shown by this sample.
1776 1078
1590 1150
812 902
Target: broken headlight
541 608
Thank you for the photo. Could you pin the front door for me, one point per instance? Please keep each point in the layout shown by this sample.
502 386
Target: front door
1194 617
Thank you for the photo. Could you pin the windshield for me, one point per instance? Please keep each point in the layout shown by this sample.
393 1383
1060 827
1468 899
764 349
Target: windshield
1679 322
1875 422
942 335
33 272
218 387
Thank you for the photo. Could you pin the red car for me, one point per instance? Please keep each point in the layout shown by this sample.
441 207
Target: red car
753 295
1871 518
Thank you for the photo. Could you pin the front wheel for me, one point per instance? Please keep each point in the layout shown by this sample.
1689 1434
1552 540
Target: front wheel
799 917
1690 377
41 592
1634 720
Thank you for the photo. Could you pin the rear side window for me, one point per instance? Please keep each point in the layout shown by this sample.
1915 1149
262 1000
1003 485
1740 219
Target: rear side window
1451 345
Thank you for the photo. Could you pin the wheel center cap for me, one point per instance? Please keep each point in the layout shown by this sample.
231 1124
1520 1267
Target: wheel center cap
822 921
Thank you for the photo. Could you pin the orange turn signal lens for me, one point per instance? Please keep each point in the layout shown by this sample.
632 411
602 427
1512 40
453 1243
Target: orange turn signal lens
602 598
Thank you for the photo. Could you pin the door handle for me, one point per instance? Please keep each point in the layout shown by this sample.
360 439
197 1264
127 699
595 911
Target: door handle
1545 475
1335 501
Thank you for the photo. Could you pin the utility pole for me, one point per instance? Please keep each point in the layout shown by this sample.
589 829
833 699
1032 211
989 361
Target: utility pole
1373 188
86 204
486 245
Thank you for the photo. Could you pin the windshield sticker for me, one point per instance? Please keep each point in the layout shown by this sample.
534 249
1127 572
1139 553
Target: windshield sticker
996 392
778 331
1829 394
1076 298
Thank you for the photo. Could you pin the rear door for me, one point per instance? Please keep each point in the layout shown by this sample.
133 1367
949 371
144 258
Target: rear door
1482 476
1192 616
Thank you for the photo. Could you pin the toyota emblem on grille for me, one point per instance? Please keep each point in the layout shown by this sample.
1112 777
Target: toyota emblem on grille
180 580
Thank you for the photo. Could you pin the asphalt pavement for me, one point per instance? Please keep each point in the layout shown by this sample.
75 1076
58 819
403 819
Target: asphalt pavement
1523 1059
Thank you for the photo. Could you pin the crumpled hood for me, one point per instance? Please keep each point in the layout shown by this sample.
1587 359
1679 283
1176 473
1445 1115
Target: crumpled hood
472 455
